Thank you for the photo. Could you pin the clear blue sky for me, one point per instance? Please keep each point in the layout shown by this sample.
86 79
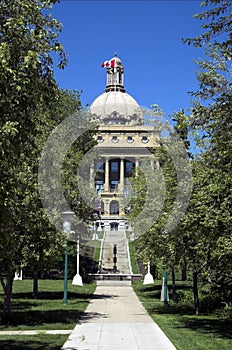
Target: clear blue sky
146 35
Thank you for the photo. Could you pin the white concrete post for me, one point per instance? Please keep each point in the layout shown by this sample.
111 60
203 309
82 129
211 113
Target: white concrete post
148 278
77 279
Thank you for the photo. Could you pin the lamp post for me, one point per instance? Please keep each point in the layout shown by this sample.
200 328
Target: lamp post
67 216
95 235
77 279
165 288
164 292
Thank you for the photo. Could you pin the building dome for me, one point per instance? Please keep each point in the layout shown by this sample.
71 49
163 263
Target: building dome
115 106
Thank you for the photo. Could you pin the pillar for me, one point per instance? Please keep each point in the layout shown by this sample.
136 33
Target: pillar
106 187
136 166
122 175
92 177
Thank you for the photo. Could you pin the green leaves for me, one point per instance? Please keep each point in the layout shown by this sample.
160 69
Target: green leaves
217 25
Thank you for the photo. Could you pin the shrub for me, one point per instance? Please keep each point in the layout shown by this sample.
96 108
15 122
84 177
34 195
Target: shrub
225 312
210 302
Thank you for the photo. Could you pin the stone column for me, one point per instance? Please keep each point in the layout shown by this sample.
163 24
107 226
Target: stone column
106 186
92 177
122 175
152 164
136 165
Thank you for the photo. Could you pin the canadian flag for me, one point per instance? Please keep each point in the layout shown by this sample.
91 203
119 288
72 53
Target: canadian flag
108 64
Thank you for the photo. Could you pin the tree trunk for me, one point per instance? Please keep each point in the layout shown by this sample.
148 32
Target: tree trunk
195 292
35 283
7 287
173 281
184 270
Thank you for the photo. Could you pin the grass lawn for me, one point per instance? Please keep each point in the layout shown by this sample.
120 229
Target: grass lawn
47 312
185 330
32 342
134 264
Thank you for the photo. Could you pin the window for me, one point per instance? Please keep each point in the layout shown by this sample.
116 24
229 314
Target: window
129 139
100 166
99 138
114 207
99 186
114 139
144 139
129 168
113 185
114 166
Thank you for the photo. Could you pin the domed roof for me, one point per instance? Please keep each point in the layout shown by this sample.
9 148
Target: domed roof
115 106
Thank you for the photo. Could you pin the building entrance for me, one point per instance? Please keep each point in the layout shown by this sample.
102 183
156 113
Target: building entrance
113 226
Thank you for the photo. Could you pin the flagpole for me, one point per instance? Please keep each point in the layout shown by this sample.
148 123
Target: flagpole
115 80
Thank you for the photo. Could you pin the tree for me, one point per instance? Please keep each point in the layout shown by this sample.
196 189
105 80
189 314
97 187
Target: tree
217 23
207 224
28 35
172 184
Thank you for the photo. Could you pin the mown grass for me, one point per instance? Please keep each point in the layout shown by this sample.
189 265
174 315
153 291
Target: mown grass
47 312
133 260
178 321
32 342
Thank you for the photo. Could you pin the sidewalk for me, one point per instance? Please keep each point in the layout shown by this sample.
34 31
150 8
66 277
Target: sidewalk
116 320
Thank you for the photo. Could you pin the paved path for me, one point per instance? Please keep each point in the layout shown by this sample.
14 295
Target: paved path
116 320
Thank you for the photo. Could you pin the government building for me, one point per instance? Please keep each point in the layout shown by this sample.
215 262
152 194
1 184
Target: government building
123 139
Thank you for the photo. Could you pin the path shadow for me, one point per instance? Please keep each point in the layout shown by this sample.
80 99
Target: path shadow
50 296
17 344
36 318
103 296
90 315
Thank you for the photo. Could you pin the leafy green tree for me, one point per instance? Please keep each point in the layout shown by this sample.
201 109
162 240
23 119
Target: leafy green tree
28 36
217 25
208 221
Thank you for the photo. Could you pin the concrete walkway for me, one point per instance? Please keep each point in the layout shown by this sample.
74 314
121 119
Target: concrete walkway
116 320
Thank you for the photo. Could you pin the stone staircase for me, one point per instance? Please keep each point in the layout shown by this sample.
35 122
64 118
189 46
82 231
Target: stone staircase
107 275
118 239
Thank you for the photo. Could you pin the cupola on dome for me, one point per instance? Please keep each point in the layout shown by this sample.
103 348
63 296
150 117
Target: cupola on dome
115 106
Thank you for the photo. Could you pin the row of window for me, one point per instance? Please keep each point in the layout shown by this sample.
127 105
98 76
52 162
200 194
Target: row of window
130 139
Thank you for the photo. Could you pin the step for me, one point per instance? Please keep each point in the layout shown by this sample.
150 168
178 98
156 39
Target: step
113 283
110 239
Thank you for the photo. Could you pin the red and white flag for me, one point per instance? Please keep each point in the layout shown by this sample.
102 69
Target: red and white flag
108 64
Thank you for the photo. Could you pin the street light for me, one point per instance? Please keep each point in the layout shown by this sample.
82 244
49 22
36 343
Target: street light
77 279
164 292
95 235
67 216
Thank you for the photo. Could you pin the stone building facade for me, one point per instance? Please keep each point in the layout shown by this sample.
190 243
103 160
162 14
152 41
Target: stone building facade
123 140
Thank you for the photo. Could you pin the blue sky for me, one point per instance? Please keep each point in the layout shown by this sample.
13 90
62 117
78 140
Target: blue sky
146 35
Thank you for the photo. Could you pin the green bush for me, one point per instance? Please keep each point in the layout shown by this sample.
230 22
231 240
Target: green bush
184 297
210 302
225 312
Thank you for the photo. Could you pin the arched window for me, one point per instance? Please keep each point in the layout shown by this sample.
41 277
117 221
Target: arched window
114 208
